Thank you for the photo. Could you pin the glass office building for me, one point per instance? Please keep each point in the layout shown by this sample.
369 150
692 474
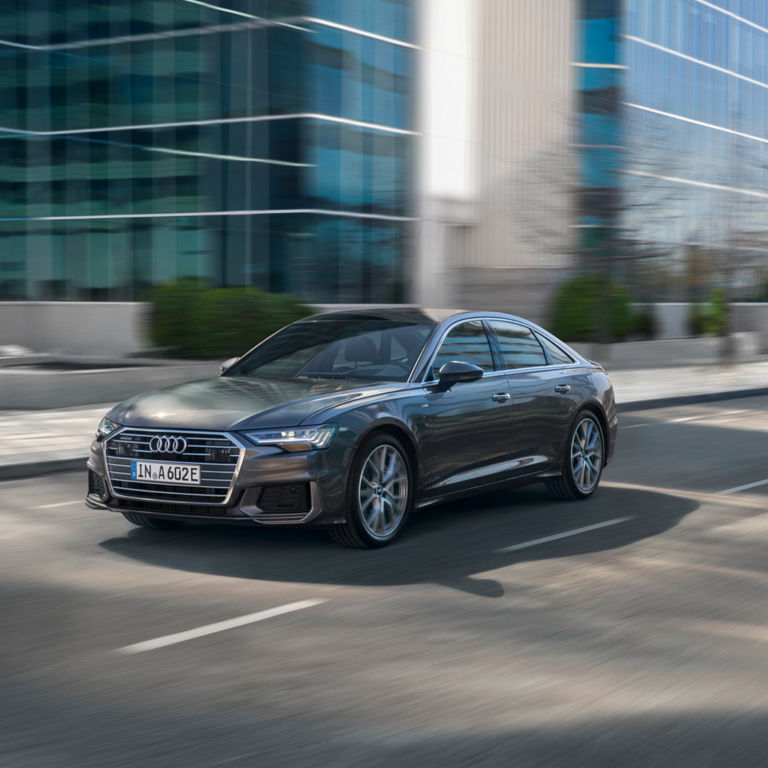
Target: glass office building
265 143
598 75
674 143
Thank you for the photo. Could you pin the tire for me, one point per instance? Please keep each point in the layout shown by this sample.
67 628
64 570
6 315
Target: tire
157 523
582 461
376 510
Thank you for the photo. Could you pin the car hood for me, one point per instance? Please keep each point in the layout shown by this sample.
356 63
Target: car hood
231 402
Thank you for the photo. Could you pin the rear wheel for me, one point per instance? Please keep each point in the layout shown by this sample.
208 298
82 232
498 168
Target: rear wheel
144 521
582 464
379 494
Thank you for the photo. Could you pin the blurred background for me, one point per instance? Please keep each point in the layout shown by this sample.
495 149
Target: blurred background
442 152
180 178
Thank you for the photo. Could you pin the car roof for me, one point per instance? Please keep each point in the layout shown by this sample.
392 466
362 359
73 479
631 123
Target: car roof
396 312
439 318
410 313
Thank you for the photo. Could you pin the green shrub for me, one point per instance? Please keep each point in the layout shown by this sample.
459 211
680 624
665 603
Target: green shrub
191 319
697 319
709 319
718 312
591 308
644 323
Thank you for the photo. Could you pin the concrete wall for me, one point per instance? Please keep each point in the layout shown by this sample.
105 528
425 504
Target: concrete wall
35 389
522 244
752 317
670 353
495 165
749 317
444 170
671 320
116 329
74 327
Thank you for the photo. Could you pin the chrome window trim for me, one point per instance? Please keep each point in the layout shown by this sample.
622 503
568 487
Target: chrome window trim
501 371
235 472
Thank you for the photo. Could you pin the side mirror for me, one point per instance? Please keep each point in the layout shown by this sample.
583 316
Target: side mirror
227 364
455 371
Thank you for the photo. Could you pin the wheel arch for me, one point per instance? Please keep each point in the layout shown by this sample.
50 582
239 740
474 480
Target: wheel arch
403 434
594 407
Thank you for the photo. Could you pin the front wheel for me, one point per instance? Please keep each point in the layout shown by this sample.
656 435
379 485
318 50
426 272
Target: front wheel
380 493
582 464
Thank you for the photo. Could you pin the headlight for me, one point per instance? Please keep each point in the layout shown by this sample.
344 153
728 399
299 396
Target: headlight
106 427
294 438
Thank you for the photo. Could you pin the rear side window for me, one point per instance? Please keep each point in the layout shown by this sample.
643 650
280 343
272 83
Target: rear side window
519 347
466 342
556 355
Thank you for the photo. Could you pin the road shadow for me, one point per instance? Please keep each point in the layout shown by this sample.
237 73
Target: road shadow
447 544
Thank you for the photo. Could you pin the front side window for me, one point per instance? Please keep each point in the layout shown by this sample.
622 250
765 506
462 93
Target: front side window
519 347
467 343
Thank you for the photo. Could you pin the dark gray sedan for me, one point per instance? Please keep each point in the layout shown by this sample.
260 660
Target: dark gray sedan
351 419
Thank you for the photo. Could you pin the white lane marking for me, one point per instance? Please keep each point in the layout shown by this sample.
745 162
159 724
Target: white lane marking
743 487
563 535
704 497
219 626
60 504
711 416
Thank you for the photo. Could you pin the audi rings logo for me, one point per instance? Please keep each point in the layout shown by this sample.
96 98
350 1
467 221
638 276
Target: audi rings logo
167 444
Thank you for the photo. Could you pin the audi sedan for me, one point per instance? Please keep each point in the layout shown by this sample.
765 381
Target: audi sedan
351 420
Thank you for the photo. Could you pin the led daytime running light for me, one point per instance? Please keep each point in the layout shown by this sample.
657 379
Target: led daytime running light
294 438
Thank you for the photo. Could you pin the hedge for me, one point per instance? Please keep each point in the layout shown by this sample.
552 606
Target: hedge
190 319
592 308
711 318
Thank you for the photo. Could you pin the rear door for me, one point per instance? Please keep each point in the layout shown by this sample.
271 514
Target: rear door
541 395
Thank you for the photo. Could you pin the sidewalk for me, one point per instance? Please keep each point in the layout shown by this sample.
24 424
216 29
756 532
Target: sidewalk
38 442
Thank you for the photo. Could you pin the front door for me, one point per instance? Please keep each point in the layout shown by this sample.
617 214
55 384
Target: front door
466 437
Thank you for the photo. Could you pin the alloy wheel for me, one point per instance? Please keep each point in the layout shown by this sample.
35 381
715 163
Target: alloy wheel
586 455
383 491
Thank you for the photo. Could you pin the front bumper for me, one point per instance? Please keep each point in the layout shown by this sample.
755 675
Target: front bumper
305 488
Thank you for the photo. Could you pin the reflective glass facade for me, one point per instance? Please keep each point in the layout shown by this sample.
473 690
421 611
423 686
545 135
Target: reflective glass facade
696 176
674 143
599 128
252 142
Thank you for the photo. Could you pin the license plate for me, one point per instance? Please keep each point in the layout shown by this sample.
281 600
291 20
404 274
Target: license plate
162 472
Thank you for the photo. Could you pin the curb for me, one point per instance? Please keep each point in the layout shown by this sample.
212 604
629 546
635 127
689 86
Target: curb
37 468
704 397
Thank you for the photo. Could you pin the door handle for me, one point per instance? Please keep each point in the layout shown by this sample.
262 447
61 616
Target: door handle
562 389
501 397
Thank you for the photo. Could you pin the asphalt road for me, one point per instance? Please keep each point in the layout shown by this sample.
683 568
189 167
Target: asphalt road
639 641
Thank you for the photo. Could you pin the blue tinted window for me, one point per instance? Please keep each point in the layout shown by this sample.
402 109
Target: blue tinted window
466 343
519 347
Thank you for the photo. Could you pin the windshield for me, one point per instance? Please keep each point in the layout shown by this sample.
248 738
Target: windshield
370 348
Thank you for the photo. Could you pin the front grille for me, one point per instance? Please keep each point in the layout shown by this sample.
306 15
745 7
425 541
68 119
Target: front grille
215 452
